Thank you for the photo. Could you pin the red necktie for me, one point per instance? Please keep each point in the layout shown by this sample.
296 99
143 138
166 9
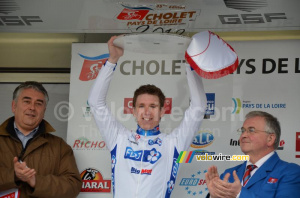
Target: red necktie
247 174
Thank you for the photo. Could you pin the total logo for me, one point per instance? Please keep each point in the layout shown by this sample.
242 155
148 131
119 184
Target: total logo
142 171
92 181
91 66
128 106
195 185
203 139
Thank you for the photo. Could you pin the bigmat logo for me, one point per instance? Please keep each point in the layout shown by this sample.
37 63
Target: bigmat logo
91 66
92 181
128 106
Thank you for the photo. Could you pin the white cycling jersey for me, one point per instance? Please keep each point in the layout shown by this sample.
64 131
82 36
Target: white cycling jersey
144 162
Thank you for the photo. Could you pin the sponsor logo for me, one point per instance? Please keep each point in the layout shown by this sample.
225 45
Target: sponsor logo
142 172
133 13
195 184
87 113
150 156
8 6
155 141
237 105
190 155
234 142
281 145
272 180
91 66
128 106
92 181
245 104
210 109
203 139
247 6
170 185
157 17
297 143
85 144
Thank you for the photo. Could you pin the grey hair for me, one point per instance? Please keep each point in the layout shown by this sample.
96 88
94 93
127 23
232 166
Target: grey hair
272 124
30 85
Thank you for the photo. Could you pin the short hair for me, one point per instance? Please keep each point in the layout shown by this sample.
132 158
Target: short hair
30 85
152 90
272 124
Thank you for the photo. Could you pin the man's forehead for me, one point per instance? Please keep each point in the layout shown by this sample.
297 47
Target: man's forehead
32 94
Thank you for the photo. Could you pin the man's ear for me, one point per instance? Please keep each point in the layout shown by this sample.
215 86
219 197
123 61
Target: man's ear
271 139
134 113
13 106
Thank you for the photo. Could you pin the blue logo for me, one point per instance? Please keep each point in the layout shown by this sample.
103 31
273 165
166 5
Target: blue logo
156 141
203 139
151 156
210 109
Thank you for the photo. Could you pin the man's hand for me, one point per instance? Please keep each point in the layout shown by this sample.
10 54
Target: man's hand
114 52
228 190
211 176
24 173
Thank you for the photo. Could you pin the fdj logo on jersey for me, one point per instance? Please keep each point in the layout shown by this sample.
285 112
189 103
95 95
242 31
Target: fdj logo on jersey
151 156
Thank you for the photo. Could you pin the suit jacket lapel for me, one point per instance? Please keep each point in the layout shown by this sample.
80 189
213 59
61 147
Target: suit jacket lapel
240 171
262 172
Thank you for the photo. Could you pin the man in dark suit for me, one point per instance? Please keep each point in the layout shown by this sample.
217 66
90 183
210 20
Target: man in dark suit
265 174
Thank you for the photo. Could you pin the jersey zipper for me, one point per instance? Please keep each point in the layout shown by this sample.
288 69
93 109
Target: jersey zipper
141 166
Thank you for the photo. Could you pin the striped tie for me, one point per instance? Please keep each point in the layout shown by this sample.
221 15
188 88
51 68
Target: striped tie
247 174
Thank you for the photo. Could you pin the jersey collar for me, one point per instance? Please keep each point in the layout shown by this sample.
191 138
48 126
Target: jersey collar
151 132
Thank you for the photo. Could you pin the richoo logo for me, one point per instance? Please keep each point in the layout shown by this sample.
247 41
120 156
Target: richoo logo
9 6
249 6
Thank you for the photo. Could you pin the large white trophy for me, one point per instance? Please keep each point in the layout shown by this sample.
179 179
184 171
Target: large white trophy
209 55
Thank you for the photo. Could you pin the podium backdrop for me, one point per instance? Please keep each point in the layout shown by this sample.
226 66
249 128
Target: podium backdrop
268 79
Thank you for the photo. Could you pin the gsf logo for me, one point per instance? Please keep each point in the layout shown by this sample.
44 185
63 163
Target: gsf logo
250 18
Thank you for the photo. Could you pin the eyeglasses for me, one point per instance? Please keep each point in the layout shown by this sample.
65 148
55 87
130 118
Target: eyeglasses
250 130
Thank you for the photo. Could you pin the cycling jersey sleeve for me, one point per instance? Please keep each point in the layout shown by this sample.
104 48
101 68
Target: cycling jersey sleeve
106 122
194 115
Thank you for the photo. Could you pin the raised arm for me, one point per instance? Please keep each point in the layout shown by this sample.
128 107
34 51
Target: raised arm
195 113
106 123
